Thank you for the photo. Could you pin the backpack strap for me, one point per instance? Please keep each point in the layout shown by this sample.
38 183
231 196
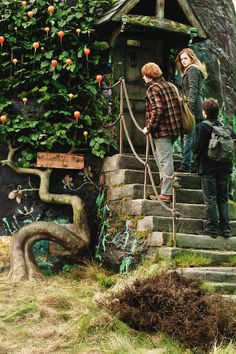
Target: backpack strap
207 122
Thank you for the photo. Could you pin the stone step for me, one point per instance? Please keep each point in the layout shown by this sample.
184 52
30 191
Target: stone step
158 239
143 207
215 257
183 225
135 191
123 161
128 161
128 176
222 288
211 274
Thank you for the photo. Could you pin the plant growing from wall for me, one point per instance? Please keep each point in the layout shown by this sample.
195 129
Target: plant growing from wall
50 56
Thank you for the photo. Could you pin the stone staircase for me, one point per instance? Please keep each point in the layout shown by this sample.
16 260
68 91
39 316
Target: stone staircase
124 178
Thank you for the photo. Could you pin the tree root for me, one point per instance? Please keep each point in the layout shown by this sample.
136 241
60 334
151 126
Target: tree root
23 264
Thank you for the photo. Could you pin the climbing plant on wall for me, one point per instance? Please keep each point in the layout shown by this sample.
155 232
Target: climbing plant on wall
52 63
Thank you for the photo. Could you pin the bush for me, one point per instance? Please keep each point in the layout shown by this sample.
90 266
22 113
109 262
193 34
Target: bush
178 306
39 99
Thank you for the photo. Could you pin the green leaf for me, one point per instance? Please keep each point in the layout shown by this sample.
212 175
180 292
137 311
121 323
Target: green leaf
48 54
46 121
43 89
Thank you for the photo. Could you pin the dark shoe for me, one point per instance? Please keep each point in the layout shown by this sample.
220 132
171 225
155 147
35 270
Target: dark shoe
226 233
194 170
211 233
165 198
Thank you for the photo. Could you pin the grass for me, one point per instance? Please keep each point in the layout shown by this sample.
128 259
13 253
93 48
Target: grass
192 260
60 316
232 261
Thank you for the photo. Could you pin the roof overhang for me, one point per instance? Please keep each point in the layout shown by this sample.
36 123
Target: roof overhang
155 23
120 13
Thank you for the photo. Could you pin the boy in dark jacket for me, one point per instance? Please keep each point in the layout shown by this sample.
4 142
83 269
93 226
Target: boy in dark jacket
214 174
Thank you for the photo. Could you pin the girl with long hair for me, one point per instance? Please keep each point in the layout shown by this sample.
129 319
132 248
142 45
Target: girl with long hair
193 73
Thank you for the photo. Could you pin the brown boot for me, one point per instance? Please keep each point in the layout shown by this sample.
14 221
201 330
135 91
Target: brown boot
165 198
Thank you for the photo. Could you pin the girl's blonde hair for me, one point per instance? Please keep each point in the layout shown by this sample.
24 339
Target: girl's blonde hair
194 60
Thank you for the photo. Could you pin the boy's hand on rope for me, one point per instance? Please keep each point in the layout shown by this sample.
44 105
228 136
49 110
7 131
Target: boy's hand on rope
145 130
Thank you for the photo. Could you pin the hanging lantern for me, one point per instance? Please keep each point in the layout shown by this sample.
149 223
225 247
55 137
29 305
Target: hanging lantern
60 34
30 14
54 63
70 95
14 61
23 3
47 30
78 30
35 46
25 100
51 9
99 79
68 61
85 134
2 40
76 115
87 52
3 119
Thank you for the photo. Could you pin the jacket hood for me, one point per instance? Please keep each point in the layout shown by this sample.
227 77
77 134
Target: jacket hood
198 67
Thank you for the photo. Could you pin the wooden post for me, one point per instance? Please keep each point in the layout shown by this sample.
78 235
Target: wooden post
173 216
145 168
160 6
121 116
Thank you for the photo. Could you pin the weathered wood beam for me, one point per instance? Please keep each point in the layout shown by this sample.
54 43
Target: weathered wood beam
188 11
153 22
160 6
128 5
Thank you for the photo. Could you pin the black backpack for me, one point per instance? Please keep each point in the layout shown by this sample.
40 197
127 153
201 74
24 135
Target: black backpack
221 144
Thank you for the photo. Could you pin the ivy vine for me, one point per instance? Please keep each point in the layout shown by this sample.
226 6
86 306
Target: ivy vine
38 96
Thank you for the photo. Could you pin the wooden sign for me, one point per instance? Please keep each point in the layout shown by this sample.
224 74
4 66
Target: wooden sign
60 160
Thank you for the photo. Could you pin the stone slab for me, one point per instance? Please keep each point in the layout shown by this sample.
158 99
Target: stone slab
229 288
148 207
212 274
128 176
217 257
193 241
135 191
183 225
129 161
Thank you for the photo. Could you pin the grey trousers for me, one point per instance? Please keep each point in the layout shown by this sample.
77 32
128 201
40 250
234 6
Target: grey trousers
164 153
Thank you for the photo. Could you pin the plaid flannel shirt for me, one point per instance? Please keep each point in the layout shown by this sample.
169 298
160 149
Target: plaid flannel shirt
163 117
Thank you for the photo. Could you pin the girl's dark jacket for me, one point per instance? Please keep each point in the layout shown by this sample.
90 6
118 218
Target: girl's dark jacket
206 166
192 84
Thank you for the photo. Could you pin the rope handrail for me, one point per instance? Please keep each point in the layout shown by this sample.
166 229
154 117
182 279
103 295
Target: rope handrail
149 141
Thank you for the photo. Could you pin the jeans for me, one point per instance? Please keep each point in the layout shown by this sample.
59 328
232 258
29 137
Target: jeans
215 194
187 152
164 154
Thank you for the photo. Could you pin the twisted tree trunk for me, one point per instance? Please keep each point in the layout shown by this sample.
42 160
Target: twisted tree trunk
23 265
